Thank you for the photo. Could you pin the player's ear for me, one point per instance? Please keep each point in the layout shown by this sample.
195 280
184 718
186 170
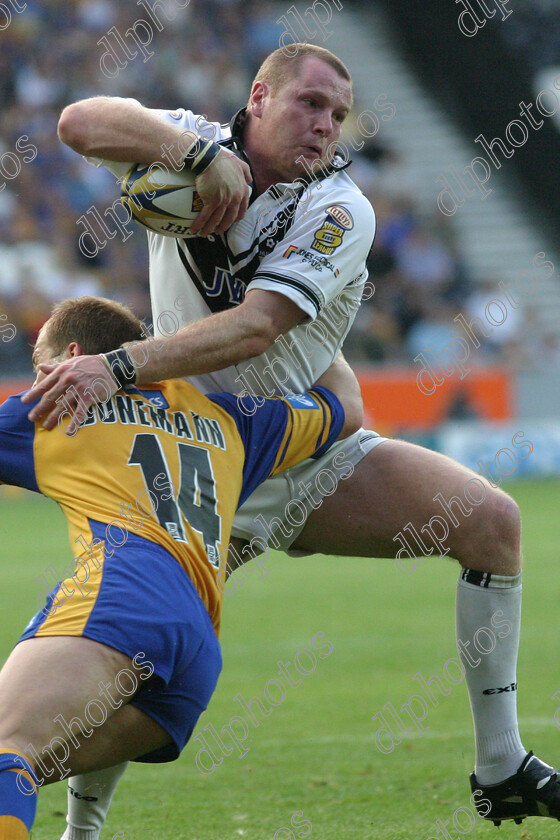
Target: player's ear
259 93
74 349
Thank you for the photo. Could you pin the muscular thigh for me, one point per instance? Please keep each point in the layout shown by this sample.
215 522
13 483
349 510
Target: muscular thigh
129 733
397 485
45 678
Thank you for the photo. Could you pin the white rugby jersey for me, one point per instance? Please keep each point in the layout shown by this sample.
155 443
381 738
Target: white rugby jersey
308 243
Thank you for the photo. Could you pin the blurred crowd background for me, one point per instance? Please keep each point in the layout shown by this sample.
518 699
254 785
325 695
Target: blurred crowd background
205 59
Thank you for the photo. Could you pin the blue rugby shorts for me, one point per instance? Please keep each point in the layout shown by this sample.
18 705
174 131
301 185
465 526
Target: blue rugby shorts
141 600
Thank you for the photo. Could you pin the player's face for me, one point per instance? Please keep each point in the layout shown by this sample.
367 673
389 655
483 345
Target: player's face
303 120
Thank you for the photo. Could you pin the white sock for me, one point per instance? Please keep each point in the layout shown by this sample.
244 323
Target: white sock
86 817
488 623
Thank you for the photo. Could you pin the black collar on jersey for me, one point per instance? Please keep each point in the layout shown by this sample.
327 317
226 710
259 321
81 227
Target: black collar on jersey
237 127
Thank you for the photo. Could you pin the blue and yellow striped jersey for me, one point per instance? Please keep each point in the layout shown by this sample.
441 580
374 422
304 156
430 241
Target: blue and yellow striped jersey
167 463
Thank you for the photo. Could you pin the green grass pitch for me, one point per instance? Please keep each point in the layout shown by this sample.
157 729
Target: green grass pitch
315 752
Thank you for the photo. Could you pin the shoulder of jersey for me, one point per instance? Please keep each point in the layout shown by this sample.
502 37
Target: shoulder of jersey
181 394
342 199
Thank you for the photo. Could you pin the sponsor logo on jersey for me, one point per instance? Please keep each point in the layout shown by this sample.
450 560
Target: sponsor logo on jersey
341 216
301 401
329 236
307 257
197 203
293 249
267 246
156 398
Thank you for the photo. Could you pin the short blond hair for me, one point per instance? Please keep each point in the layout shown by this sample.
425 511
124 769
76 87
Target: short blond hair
99 325
279 68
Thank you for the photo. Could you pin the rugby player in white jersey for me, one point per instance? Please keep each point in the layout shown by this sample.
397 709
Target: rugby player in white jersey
253 289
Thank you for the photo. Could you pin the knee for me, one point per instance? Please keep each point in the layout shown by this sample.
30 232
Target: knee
503 527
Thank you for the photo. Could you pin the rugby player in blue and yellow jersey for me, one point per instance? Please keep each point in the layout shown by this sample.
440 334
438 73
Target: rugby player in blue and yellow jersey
149 487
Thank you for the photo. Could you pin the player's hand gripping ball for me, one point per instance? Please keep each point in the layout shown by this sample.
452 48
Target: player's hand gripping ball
162 199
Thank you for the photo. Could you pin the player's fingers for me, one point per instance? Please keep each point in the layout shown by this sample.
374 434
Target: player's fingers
60 399
201 223
233 214
64 407
243 207
45 405
74 404
223 188
71 426
246 171
68 414
37 389
212 224
54 410
67 424
236 214
52 389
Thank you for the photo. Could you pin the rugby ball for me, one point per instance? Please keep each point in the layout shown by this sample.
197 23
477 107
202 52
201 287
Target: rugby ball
162 199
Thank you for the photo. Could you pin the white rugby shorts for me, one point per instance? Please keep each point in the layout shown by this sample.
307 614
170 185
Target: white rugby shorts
277 511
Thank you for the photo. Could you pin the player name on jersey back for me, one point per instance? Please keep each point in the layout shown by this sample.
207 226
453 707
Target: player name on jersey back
128 410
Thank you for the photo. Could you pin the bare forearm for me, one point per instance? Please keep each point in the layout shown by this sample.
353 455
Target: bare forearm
218 341
341 380
214 343
120 130
204 346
